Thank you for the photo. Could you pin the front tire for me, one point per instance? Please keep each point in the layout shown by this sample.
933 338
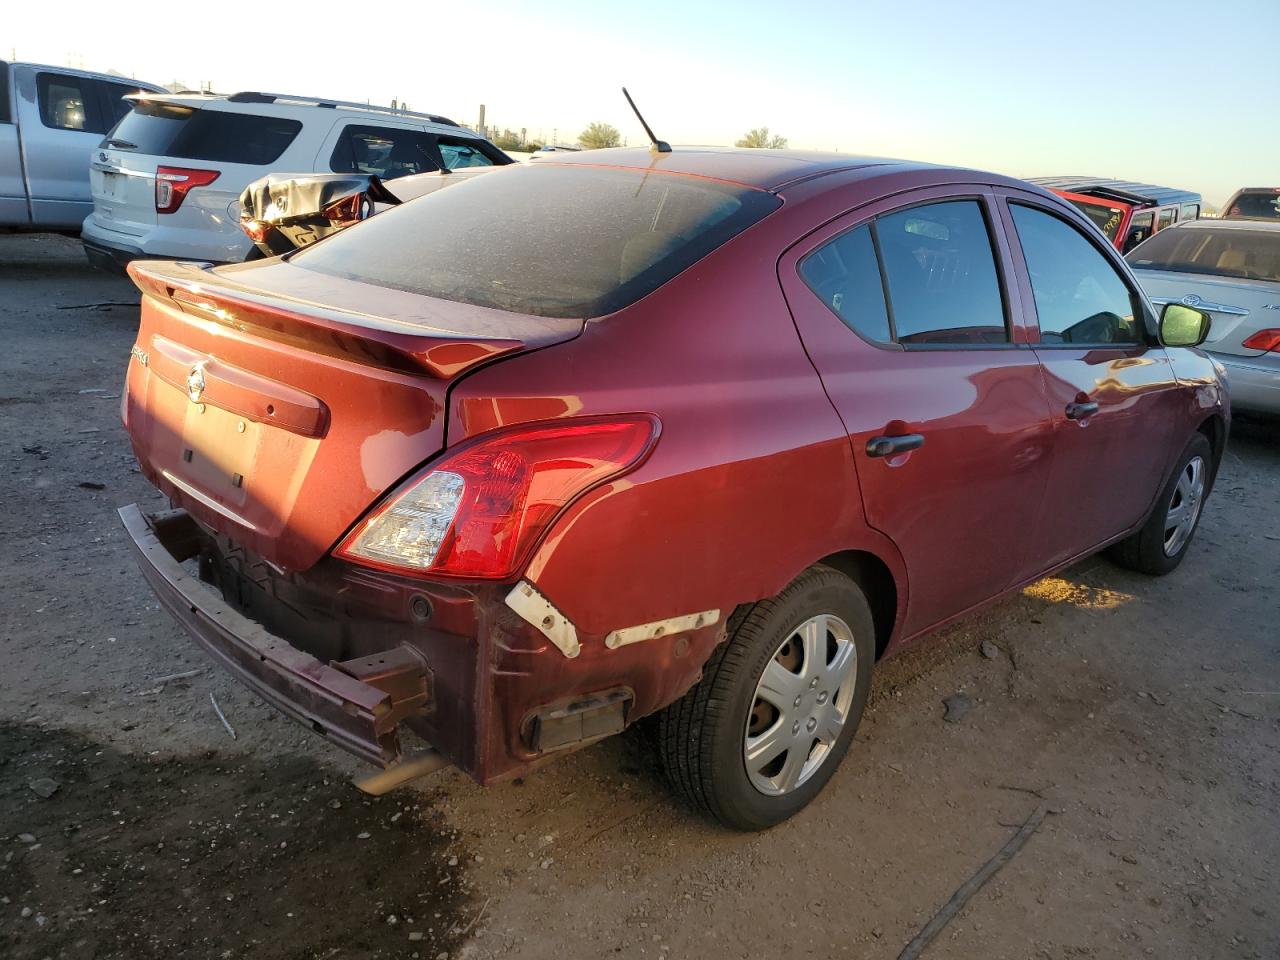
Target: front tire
1162 542
764 730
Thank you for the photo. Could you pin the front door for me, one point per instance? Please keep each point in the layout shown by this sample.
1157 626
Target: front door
903 311
1110 385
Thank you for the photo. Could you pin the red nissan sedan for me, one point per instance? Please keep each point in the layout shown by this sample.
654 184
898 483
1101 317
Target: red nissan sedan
704 434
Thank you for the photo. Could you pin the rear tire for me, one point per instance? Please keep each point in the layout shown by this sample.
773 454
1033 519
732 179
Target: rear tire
1162 542
752 750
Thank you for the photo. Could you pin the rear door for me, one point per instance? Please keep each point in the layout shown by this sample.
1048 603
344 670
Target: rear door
13 191
905 315
1111 389
60 127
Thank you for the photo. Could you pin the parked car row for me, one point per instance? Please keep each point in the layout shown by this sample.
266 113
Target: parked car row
1127 213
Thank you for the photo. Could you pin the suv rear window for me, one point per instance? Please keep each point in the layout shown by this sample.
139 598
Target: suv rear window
545 239
1256 206
188 133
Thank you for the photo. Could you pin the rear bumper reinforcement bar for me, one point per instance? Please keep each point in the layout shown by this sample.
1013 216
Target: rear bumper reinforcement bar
357 704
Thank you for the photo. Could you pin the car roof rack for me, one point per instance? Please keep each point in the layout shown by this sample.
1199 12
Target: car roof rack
256 96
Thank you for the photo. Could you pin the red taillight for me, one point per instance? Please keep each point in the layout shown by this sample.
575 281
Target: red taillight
479 511
349 210
173 183
1268 340
258 230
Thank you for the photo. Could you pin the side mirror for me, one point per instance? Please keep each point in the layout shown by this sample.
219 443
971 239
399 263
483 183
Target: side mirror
1183 326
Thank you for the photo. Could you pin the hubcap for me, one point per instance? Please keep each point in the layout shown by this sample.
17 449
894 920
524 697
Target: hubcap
800 705
1184 507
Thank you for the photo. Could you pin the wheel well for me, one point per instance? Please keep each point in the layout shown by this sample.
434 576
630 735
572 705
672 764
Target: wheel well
1215 431
870 573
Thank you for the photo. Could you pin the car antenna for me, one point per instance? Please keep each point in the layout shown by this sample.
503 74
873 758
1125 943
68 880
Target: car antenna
659 146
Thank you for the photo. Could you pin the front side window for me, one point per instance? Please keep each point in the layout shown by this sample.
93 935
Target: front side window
1080 297
845 275
67 103
1139 230
385 152
940 274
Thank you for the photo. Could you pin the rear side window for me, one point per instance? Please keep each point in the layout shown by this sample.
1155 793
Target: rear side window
68 103
4 93
1080 297
458 152
1167 216
845 275
547 239
187 133
1190 211
941 275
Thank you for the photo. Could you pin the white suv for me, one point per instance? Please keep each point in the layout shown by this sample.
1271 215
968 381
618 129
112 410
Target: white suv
167 179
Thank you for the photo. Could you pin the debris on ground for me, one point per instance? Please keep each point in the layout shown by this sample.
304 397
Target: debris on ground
989 650
44 787
957 705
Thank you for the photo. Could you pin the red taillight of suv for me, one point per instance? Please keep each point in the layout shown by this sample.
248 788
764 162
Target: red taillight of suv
478 513
1268 340
173 184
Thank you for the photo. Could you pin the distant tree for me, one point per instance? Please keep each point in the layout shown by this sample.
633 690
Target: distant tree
598 135
508 141
759 137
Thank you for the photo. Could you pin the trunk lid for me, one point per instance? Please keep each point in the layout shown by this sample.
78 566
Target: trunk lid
123 185
1238 307
276 404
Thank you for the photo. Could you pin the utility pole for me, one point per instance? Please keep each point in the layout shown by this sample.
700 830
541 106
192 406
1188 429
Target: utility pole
481 124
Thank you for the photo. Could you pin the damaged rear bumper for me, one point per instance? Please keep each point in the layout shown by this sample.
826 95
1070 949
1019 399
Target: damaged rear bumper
357 704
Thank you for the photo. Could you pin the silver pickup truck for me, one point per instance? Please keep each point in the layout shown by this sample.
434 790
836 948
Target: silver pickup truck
51 121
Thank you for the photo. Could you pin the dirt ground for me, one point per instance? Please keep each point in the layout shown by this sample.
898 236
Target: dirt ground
1144 713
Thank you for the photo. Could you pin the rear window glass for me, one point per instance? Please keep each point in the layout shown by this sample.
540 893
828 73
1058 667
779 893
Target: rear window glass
1254 255
187 133
1256 205
68 103
544 239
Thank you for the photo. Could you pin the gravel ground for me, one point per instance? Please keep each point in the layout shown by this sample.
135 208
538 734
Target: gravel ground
1144 713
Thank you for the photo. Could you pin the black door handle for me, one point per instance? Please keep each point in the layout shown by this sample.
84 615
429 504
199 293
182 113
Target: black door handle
1078 411
888 446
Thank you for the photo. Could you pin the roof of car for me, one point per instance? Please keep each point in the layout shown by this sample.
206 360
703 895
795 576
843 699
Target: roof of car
287 104
1129 191
77 72
1232 223
763 169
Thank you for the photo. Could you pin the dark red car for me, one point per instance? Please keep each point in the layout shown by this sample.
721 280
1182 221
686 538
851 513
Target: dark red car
704 433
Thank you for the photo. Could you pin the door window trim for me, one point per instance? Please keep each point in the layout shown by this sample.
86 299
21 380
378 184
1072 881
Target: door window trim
997 238
1010 197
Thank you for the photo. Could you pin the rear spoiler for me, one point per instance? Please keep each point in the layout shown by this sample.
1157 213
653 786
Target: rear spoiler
364 338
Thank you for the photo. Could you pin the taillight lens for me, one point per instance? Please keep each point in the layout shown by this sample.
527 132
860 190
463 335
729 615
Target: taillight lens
1268 340
349 210
173 184
257 230
478 513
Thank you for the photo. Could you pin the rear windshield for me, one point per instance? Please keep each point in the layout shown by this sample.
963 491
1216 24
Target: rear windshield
1256 206
1251 254
187 133
1105 217
544 239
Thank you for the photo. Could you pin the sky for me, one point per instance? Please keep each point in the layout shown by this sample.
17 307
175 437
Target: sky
1166 91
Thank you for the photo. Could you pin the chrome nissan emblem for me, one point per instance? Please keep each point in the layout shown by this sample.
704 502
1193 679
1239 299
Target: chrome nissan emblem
1191 300
195 383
